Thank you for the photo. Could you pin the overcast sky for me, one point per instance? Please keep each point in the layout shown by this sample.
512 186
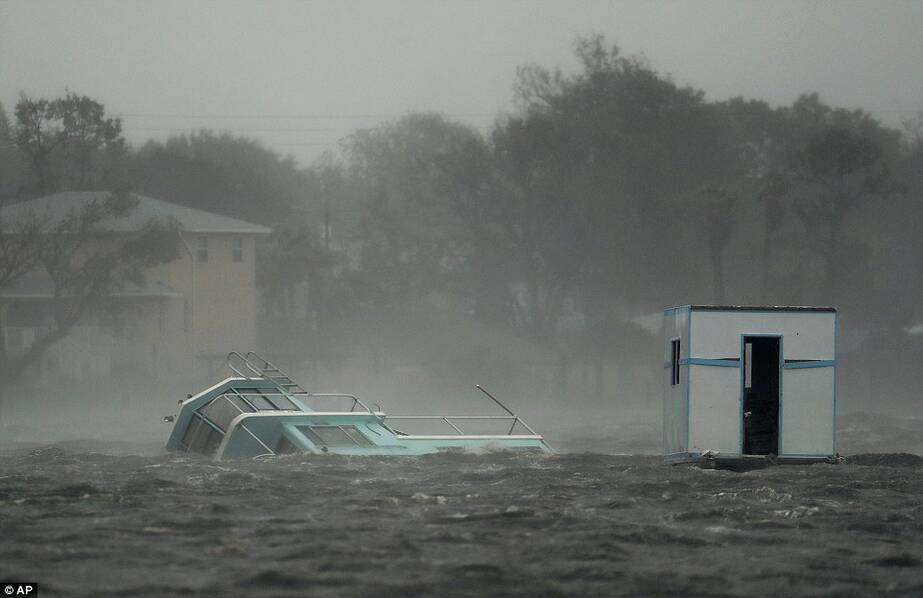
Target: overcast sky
301 75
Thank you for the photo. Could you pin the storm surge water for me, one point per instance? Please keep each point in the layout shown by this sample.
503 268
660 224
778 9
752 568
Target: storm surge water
81 522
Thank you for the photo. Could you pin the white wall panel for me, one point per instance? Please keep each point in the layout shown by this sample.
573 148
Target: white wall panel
807 412
675 416
714 402
808 334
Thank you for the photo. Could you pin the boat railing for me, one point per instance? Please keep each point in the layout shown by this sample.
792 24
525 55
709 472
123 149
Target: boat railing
251 365
356 401
451 420
242 366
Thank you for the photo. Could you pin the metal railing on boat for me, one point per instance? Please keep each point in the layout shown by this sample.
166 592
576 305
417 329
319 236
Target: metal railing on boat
450 420
262 368
357 402
252 363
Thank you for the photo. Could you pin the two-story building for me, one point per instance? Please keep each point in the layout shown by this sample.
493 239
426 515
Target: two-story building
188 313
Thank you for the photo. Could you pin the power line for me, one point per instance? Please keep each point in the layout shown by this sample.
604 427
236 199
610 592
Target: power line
300 116
300 143
247 129
484 115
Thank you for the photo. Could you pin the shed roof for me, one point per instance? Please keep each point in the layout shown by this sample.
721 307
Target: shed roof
58 205
700 307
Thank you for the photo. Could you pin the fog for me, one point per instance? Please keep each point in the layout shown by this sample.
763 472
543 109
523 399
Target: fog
301 76
459 194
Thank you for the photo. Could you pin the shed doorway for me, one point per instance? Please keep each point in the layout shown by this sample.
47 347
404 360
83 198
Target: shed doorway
761 378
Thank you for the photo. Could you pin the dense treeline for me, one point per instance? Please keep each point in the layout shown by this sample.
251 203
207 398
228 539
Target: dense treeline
609 193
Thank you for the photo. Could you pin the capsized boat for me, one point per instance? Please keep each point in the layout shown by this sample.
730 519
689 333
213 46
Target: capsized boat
261 411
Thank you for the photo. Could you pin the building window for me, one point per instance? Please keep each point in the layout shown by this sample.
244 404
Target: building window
202 251
674 372
237 250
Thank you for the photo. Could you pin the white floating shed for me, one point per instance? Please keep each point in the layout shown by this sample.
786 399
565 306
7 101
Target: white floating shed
749 380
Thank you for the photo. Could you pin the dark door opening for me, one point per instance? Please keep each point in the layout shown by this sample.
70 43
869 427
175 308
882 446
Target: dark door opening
761 395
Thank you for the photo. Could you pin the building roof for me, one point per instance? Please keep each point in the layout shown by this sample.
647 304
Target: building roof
754 308
39 286
58 205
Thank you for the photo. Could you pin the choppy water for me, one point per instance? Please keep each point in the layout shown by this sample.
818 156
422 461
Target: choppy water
89 524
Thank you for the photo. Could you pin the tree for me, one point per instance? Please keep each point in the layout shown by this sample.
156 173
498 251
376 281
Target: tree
69 142
492 224
537 217
773 188
20 248
788 158
224 174
12 171
636 145
294 256
413 242
83 263
843 169
4 127
719 226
